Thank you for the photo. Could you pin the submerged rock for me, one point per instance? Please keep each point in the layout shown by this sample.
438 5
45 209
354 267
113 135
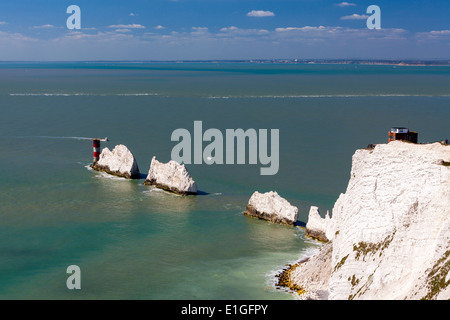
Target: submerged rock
270 206
119 162
171 176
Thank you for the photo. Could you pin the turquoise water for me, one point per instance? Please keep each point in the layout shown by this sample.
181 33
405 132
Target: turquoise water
137 242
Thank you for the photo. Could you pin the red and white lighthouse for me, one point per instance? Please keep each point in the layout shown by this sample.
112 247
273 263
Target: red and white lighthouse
96 148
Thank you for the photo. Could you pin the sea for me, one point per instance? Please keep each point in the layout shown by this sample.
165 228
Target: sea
132 241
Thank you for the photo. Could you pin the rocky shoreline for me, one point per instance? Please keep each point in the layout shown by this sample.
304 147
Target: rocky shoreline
313 285
284 279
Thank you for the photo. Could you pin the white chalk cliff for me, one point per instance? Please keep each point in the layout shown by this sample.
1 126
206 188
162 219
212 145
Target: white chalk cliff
270 206
389 234
171 176
120 162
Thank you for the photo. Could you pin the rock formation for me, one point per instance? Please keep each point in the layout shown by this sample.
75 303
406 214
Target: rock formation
390 232
317 227
119 162
270 206
170 176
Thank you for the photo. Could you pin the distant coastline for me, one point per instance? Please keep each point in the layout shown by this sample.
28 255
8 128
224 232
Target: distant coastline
396 62
359 61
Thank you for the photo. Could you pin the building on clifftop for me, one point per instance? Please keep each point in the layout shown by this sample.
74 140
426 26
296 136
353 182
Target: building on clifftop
401 133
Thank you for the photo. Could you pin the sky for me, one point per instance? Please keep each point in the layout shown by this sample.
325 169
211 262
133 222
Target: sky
33 30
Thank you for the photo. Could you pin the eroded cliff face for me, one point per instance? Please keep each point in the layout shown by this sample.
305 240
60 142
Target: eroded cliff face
390 230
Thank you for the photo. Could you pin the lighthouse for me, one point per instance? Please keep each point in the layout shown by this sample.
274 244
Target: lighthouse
96 148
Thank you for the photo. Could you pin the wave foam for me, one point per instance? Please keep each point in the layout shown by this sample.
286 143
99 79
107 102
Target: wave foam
56 137
104 175
289 96
309 96
60 94
271 276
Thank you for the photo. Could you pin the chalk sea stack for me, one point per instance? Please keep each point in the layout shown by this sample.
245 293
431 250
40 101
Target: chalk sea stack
270 206
171 176
316 227
119 162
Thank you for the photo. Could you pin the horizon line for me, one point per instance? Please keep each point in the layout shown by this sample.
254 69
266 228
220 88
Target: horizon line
292 60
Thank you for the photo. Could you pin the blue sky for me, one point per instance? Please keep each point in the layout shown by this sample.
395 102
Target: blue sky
223 29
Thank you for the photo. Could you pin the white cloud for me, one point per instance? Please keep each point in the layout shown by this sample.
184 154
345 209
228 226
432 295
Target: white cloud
159 27
3 23
122 42
111 37
228 29
132 14
345 4
307 28
355 16
123 30
338 35
202 29
440 32
260 13
16 37
45 26
199 30
232 31
433 35
127 26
